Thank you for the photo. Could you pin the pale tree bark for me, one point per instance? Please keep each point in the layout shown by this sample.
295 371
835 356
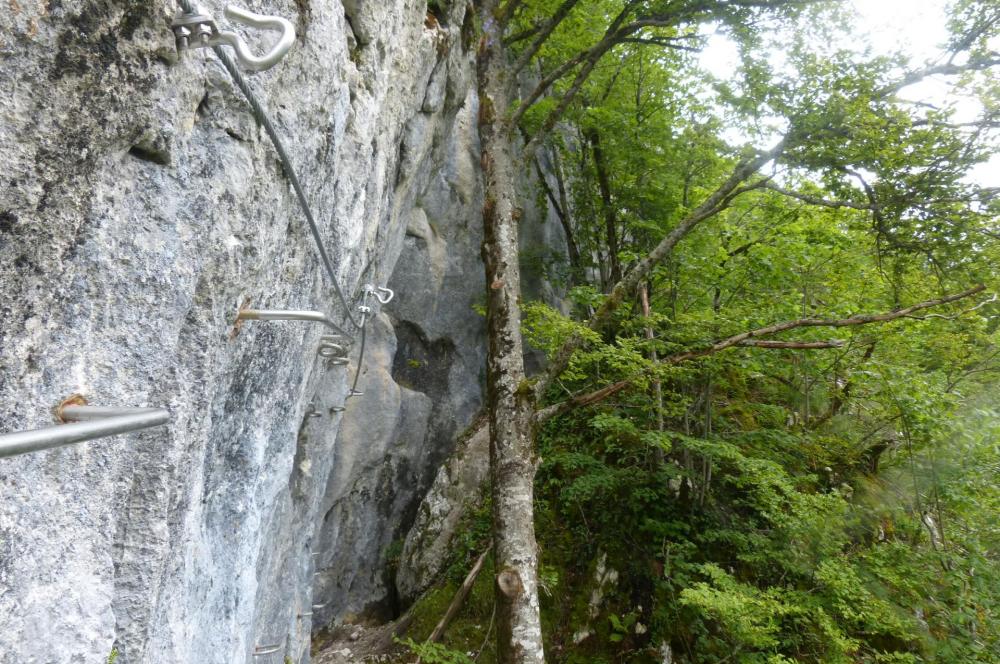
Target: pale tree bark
509 402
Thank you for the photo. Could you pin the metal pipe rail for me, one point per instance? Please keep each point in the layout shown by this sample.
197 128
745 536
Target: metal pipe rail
271 314
89 423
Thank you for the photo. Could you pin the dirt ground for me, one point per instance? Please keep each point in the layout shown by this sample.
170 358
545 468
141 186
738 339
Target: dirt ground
357 644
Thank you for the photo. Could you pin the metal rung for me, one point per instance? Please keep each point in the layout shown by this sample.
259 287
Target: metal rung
266 650
330 348
311 316
89 423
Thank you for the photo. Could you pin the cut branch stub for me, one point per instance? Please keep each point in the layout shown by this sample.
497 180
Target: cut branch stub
509 583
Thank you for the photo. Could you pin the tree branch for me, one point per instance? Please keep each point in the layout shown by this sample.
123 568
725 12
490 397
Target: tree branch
946 69
666 42
521 36
793 345
715 203
590 55
507 11
542 36
816 200
749 339
459 599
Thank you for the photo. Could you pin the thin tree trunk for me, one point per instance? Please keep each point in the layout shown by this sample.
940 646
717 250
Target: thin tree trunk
657 387
509 399
572 248
561 207
610 216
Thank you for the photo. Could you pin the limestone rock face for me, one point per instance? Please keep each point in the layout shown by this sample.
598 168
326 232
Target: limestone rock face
140 207
424 379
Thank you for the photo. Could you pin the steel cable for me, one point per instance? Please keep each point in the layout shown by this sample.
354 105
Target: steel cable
361 352
286 163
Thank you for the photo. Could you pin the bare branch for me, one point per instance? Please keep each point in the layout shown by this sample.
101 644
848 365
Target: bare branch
959 314
862 319
816 200
666 42
976 124
459 599
946 69
792 345
749 339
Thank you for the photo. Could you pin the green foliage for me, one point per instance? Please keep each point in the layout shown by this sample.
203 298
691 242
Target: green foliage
761 505
435 653
771 505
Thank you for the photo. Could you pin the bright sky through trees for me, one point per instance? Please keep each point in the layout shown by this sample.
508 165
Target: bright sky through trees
916 28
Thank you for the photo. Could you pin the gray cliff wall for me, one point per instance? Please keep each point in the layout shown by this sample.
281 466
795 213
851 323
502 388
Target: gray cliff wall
140 207
460 480
422 385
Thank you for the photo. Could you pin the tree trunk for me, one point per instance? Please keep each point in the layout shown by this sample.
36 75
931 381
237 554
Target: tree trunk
509 399
610 216
657 386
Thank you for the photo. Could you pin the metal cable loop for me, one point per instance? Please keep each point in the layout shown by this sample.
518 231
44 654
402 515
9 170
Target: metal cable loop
286 162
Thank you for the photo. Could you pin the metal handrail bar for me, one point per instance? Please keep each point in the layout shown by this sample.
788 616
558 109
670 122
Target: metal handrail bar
271 314
89 423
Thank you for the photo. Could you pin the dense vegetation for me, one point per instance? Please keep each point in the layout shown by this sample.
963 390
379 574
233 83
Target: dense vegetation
824 490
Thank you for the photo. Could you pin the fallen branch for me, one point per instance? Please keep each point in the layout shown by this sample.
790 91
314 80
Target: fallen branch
748 339
459 599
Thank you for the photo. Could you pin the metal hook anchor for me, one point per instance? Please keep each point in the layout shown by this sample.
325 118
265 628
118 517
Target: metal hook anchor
383 295
266 650
202 28
270 648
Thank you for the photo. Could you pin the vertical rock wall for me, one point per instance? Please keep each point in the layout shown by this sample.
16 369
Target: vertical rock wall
140 207
422 386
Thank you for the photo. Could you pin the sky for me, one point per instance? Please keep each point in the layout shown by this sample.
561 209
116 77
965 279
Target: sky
915 27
